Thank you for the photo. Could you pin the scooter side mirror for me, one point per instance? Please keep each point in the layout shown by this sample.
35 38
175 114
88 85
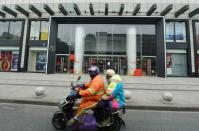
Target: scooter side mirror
78 78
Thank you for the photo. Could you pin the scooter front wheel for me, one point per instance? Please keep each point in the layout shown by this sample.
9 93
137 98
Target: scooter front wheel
59 121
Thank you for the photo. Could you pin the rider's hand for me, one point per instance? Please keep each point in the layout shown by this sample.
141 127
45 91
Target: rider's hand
72 96
81 86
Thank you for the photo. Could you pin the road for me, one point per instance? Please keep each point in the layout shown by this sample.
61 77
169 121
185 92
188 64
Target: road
19 117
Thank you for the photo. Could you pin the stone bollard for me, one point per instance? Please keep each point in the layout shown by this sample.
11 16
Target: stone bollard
167 97
40 91
127 95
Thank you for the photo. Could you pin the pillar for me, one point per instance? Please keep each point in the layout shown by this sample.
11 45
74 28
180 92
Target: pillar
79 49
131 49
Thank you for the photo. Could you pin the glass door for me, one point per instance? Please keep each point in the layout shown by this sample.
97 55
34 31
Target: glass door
149 66
62 63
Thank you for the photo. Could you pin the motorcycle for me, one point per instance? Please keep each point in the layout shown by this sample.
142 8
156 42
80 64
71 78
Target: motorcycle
86 121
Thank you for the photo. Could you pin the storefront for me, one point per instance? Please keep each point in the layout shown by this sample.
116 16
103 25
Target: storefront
10 44
178 49
155 39
37 45
107 42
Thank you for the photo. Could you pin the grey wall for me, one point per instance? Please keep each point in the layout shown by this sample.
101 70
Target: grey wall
160 49
52 47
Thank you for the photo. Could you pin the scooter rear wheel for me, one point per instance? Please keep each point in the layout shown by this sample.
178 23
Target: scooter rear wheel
59 121
116 124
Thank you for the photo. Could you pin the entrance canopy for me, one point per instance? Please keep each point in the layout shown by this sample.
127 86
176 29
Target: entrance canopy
100 9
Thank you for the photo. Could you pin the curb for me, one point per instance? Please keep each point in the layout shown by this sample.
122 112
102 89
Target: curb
128 107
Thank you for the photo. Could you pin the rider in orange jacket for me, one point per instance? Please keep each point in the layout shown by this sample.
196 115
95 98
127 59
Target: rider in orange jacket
91 93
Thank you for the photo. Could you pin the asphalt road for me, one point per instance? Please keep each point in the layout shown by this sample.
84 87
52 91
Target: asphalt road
18 117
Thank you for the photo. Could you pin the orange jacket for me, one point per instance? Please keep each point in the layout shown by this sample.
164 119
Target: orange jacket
94 89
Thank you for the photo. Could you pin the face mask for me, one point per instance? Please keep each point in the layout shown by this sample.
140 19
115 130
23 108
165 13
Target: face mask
108 77
92 75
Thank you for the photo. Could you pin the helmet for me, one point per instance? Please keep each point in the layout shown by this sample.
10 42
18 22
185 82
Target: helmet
93 71
116 78
109 73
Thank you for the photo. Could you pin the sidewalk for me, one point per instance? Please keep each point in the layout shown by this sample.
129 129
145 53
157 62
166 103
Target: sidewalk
146 91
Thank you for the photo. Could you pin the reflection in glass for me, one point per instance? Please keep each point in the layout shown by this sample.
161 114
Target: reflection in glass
180 32
197 33
44 30
34 30
105 45
170 32
15 30
176 64
4 30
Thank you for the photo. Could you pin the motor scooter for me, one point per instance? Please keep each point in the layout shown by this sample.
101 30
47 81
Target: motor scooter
87 121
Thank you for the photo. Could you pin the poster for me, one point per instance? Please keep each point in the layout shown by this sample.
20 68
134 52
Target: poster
169 64
5 61
15 60
41 61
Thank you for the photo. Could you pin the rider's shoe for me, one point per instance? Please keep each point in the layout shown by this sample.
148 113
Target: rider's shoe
71 122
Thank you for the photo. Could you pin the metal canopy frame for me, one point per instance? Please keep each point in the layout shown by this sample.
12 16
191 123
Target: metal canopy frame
121 9
167 10
62 9
91 9
9 11
194 12
136 10
181 10
2 14
76 8
22 10
35 10
106 9
48 9
151 10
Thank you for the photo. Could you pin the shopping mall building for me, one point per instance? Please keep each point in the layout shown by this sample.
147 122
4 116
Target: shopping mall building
158 37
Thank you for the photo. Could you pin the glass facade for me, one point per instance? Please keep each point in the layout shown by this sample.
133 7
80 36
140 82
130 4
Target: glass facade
37 60
106 46
39 30
197 45
15 30
10 30
176 32
176 64
37 56
4 25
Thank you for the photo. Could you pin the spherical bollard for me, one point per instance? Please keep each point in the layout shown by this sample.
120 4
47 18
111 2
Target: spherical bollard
167 96
127 94
39 91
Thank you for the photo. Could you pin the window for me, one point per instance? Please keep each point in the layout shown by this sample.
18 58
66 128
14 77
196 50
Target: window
15 30
39 30
176 64
44 30
176 32
197 33
170 32
4 29
34 30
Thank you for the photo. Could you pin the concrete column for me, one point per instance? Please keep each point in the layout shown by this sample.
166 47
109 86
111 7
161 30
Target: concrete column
193 70
24 46
131 49
79 49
